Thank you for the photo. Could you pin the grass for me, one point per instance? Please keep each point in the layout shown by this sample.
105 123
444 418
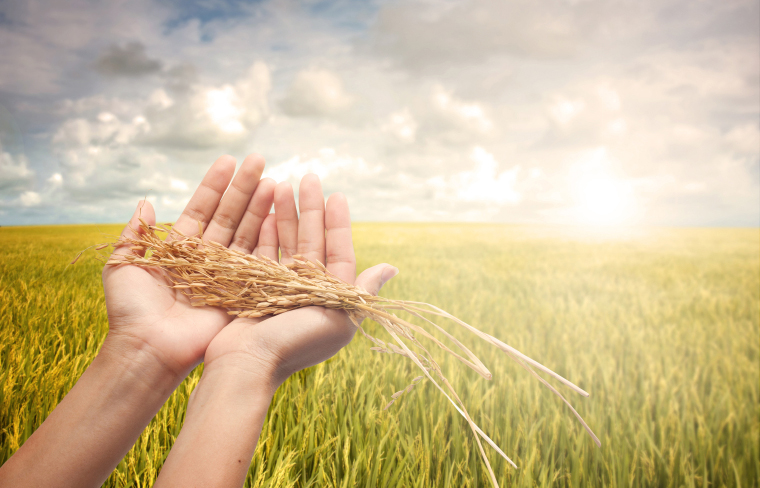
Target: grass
662 327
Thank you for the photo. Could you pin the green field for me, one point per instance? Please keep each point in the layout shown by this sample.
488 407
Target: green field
661 326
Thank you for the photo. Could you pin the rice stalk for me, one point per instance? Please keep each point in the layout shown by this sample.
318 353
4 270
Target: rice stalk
248 286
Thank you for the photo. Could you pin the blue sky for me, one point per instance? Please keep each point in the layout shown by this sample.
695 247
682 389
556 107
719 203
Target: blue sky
571 111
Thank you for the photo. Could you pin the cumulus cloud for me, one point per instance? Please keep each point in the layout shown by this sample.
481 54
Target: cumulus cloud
464 115
15 175
129 60
402 125
45 43
316 93
437 115
17 183
481 184
109 155
744 139
327 164
423 35
421 110
30 199
203 116
563 111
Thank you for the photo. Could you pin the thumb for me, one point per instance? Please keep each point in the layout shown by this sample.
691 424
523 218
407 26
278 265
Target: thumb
143 211
372 279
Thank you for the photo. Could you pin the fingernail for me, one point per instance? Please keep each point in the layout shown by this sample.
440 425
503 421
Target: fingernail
388 273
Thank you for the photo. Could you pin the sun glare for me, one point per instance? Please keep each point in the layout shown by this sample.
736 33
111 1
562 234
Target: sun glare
603 201
601 197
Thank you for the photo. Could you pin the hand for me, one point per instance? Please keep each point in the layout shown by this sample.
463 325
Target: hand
250 358
292 341
143 312
155 338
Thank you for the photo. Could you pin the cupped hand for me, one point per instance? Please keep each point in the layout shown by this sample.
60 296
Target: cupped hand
295 340
144 312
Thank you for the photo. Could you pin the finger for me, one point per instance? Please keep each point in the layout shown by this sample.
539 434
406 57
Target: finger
311 221
206 198
132 230
287 221
247 234
231 209
268 242
341 260
372 279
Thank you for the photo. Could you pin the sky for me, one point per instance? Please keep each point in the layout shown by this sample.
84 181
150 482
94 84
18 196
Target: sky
589 112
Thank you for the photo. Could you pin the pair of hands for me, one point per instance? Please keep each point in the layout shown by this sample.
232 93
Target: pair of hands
144 313
156 338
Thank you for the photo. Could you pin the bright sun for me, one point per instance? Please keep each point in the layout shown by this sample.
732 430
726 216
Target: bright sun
601 197
603 200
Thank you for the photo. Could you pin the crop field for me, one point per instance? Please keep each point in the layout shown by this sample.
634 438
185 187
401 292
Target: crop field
660 326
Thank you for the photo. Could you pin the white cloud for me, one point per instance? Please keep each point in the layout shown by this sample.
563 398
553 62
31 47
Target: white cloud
563 111
30 199
178 185
253 93
48 40
224 108
468 115
609 97
402 125
745 139
15 174
426 35
694 187
617 126
114 151
205 116
159 98
327 164
402 102
483 184
316 93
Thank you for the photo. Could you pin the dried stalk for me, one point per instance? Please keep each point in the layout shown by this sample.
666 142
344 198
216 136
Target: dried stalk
250 286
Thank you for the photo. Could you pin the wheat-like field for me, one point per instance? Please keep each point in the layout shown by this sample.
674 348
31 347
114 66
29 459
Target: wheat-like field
661 326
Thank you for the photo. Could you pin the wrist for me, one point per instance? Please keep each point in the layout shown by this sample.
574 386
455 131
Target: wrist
98 421
133 356
224 419
244 373
237 352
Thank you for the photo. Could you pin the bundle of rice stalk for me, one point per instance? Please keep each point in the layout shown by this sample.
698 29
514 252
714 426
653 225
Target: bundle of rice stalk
250 286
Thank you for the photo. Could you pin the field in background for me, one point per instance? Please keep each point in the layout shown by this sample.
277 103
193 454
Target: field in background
660 326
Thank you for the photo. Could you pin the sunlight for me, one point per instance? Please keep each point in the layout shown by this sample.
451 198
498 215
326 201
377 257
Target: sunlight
604 201
602 198
222 108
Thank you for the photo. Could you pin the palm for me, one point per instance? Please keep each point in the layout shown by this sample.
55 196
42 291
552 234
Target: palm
139 303
308 334
142 307
300 338
286 343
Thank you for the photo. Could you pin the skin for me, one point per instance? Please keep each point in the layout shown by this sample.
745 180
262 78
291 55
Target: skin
156 338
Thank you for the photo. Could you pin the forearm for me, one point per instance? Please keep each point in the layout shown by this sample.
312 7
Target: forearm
222 427
90 431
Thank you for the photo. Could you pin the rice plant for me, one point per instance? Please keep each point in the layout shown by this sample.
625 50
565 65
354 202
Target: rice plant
661 326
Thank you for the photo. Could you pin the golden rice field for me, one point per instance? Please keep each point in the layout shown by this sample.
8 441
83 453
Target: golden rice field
661 326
